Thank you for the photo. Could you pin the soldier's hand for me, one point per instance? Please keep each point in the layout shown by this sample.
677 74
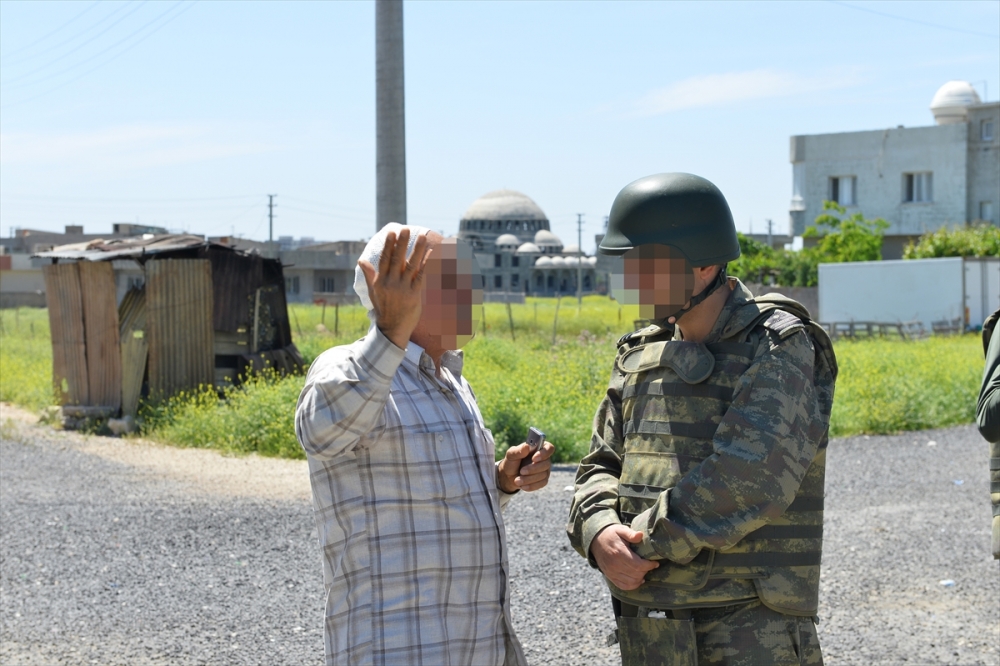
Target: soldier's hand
396 289
612 550
514 474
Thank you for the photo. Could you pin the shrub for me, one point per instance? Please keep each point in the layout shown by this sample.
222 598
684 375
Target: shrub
978 240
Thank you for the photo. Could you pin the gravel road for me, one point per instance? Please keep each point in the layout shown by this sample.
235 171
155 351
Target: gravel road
124 552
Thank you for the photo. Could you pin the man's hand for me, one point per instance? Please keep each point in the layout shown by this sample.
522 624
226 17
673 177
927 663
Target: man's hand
616 559
511 476
396 289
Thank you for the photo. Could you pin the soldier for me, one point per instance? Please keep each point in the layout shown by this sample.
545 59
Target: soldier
701 500
988 417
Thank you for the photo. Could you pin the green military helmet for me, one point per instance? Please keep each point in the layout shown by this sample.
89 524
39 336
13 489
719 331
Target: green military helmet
677 209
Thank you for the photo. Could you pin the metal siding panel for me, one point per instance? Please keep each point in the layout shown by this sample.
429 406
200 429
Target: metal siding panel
235 277
179 303
100 322
69 350
135 348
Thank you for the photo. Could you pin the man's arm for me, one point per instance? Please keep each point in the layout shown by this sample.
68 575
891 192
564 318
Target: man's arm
988 407
345 392
762 449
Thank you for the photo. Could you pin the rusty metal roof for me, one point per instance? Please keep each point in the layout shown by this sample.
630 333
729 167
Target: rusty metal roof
127 248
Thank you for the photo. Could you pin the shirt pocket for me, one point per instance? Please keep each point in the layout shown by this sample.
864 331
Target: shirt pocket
422 465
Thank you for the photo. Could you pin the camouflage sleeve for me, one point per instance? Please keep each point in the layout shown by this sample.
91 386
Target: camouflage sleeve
988 407
595 498
762 449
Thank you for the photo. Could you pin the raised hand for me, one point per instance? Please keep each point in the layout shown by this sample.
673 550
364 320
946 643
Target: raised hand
396 288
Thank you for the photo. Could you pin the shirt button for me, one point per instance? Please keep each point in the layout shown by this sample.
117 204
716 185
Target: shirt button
440 438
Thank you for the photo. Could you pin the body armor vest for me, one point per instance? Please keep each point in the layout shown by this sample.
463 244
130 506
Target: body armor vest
674 397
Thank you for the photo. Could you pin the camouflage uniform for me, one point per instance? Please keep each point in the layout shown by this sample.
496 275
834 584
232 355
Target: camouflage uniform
716 451
988 417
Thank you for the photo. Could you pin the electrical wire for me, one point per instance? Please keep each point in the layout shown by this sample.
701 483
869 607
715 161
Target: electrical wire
47 35
114 57
73 50
911 20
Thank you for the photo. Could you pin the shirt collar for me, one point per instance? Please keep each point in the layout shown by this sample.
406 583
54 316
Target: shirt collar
453 360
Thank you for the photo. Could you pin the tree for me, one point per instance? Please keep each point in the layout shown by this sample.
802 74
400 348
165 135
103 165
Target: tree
845 238
977 240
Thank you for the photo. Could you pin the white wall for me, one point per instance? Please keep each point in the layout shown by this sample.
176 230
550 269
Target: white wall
924 290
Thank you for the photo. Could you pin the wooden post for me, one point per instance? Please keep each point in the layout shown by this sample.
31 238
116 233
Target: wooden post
296 318
336 318
510 318
256 322
484 319
555 320
322 319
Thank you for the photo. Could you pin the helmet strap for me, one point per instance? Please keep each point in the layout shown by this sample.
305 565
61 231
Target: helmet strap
719 281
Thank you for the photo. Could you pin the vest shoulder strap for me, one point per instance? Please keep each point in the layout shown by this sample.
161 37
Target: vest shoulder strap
989 327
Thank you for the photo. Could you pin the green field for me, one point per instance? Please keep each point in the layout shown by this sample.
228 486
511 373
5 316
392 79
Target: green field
884 386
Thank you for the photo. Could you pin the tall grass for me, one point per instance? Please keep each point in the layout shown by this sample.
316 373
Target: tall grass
26 358
884 386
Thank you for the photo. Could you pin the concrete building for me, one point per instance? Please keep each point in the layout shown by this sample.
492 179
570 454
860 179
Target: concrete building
517 251
918 179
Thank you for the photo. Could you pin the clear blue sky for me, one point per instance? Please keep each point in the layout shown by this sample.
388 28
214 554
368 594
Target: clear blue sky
186 115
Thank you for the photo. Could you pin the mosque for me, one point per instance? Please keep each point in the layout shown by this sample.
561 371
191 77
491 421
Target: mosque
518 253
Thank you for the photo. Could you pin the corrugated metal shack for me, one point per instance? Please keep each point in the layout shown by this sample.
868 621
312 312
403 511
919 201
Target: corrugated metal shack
205 314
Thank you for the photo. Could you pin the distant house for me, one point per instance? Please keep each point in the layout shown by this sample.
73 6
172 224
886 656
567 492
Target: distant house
918 179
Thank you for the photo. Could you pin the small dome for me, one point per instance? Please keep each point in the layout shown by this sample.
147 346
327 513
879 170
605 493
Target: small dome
504 205
545 238
591 261
542 262
558 261
571 249
528 248
508 239
952 101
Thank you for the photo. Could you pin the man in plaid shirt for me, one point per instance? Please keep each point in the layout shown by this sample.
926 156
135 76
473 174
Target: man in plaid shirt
406 493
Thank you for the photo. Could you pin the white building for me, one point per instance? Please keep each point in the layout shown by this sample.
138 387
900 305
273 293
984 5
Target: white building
517 251
917 179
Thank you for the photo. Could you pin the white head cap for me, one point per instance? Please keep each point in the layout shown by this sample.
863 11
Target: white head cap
373 254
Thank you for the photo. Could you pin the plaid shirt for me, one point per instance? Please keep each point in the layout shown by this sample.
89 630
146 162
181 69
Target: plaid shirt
406 501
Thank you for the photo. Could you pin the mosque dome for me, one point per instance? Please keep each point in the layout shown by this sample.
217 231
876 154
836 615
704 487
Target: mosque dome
504 205
571 249
952 101
558 261
543 262
545 238
507 241
528 248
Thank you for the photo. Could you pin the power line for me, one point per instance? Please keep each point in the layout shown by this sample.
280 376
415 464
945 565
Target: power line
73 50
49 34
103 200
112 58
918 22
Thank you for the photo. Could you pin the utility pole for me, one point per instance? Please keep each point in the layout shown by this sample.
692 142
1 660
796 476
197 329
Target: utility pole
579 260
770 226
270 216
390 116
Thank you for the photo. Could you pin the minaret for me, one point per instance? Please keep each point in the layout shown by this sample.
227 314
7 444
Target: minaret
390 126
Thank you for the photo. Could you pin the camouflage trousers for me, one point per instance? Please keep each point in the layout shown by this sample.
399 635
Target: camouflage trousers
745 634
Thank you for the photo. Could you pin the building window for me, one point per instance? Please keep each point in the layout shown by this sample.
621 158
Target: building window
515 280
986 211
497 260
917 187
498 281
842 190
292 285
325 285
515 261
986 130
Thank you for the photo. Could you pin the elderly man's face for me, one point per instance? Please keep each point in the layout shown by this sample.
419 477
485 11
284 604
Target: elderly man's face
453 292
657 278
